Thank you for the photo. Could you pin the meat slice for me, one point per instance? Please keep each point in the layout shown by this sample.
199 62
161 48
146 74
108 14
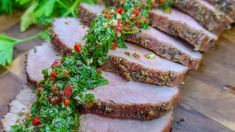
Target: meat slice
121 98
89 122
89 12
94 123
183 26
206 14
33 68
180 25
152 39
19 108
227 6
132 62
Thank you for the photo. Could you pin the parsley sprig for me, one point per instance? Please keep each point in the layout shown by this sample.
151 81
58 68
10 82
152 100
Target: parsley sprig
7 44
38 12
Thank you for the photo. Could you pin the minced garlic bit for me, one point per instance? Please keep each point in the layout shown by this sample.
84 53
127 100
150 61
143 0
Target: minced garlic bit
150 56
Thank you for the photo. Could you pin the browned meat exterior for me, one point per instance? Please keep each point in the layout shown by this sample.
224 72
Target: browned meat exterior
132 63
167 47
19 109
89 122
180 25
206 14
120 98
152 39
94 123
183 26
133 100
227 6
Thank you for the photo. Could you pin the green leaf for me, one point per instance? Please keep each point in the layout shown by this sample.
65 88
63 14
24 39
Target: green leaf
5 6
23 2
6 49
28 17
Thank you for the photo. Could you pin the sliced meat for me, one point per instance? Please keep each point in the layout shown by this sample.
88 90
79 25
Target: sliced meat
94 123
69 34
132 63
89 12
183 26
32 69
167 47
227 6
152 39
89 122
206 14
121 98
180 25
18 108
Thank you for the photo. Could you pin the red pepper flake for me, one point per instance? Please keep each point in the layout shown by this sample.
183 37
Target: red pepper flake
36 121
119 10
90 104
66 101
136 12
107 14
138 23
114 46
55 100
53 75
56 63
40 89
68 91
77 47
119 26
53 89
123 1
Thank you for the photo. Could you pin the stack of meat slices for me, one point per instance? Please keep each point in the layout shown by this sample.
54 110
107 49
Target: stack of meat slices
142 91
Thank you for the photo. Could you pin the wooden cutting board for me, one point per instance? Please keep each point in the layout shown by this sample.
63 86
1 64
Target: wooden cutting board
206 106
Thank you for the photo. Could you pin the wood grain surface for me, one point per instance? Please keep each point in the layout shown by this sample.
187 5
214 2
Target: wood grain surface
206 106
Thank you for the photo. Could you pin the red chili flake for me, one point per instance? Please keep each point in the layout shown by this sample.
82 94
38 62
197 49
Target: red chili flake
53 89
66 101
77 47
36 121
123 1
68 91
90 104
153 4
160 2
107 14
136 12
119 26
55 100
138 23
119 21
119 10
56 63
53 75
114 46
40 89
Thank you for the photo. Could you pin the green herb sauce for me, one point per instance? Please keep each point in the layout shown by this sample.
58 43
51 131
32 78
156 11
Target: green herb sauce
63 93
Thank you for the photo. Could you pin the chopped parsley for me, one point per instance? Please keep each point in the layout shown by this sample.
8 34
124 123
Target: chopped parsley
64 91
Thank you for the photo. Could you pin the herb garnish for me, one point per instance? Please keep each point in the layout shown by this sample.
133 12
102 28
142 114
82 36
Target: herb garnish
66 84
